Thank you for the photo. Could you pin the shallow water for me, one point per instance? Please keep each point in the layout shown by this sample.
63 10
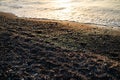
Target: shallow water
100 12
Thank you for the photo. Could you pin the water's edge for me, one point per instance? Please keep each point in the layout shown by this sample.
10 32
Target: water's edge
103 13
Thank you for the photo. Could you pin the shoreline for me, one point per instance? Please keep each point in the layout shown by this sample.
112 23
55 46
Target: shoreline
66 21
52 49
70 24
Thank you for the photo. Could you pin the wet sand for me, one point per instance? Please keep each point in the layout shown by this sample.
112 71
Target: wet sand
36 49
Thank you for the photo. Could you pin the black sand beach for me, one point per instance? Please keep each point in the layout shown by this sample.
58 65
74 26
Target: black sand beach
35 49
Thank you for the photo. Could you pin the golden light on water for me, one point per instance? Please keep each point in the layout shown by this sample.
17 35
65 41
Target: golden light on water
65 4
64 9
63 0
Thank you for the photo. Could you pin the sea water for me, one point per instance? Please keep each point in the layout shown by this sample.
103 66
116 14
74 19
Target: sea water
100 12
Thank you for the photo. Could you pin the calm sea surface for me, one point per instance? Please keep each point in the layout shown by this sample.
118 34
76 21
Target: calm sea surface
100 12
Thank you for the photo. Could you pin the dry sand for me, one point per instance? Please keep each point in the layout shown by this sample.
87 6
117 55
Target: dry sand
36 49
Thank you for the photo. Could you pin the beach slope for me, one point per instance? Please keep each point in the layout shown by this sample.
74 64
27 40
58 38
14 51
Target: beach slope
43 49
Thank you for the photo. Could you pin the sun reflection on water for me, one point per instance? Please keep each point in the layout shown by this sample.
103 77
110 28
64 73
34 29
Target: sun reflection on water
66 8
63 0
